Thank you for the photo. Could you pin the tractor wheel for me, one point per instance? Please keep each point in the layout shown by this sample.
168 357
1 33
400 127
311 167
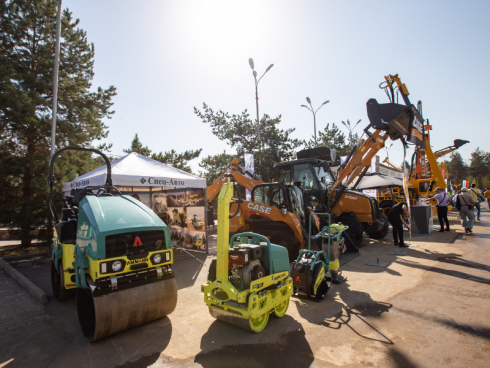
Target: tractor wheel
57 283
380 234
385 206
289 242
355 231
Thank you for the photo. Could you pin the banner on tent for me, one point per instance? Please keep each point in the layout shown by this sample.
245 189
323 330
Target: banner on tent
182 210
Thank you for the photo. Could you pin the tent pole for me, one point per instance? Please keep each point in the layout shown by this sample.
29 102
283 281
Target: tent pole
206 221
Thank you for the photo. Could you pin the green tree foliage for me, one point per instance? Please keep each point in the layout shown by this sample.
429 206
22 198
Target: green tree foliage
240 132
214 165
479 168
457 168
27 44
333 137
137 146
178 160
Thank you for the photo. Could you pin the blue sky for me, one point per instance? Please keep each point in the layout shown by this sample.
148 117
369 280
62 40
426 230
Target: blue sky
165 57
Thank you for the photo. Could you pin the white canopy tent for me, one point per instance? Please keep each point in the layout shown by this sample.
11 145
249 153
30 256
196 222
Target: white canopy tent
177 197
139 171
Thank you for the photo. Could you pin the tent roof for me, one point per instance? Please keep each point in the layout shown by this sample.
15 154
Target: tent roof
139 171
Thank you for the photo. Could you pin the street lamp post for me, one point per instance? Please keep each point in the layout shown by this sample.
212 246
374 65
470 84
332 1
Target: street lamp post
55 81
314 113
351 129
251 62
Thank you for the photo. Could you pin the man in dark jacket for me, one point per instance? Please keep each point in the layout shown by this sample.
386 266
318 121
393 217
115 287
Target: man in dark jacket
395 217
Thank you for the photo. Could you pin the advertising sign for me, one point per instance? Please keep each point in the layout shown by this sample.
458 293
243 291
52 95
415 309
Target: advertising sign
249 166
181 209
417 129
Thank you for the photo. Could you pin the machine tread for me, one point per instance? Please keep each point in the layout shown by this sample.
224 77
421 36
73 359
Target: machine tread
380 234
355 230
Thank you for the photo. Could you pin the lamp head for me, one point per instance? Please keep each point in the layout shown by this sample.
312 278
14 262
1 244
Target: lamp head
251 62
326 102
269 68
308 100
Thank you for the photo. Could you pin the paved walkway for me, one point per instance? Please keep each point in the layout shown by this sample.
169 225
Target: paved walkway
17 307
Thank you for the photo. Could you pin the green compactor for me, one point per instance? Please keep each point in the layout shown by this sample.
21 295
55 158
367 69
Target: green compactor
114 253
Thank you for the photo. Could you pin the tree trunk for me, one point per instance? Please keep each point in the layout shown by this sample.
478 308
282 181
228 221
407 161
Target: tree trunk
26 208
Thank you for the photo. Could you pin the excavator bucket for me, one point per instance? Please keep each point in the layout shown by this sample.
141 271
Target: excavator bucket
393 118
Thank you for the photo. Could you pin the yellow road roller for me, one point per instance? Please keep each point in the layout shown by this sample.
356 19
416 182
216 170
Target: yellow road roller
114 253
249 279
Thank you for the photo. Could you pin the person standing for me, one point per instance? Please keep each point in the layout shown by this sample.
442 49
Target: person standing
487 196
210 216
442 202
395 217
475 193
464 203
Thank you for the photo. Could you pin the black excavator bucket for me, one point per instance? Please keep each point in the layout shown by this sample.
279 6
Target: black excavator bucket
460 142
395 119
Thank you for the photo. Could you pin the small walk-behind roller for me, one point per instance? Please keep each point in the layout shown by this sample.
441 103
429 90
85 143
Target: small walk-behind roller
311 271
114 253
249 280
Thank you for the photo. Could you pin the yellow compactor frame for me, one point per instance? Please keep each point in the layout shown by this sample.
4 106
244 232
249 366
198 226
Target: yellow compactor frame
249 308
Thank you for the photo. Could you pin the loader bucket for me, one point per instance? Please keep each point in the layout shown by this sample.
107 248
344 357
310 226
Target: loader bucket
395 119
104 315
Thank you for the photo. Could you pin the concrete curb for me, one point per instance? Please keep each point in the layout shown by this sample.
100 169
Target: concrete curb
23 281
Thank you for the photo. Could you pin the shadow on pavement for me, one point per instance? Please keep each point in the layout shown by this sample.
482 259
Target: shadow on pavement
400 359
289 349
443 271
334 314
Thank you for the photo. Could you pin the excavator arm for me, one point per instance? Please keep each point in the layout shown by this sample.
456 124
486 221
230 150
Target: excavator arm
457 143
239 175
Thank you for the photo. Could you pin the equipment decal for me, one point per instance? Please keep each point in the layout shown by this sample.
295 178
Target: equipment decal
136 261
260 208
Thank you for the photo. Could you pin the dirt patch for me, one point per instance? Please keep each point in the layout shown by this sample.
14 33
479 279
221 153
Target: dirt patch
18 250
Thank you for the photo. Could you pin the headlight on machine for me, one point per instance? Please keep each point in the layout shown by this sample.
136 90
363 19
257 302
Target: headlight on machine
117 266
157 258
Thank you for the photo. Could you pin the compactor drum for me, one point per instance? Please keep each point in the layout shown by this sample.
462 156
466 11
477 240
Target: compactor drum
115 254
249 280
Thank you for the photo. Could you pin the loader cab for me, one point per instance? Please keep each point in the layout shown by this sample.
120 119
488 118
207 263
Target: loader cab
314 175
284 196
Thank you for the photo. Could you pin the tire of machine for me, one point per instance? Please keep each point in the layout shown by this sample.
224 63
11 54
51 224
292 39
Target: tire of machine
385 207
288 241
57 282
121 310
380 234
355 229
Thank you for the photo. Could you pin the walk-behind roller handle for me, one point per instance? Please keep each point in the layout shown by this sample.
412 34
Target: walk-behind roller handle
320 233
257 238
51 180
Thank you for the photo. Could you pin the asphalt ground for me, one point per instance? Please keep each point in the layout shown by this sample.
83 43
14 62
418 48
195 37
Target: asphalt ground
429 308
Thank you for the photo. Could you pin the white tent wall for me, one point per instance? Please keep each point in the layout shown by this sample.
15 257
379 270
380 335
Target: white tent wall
174 195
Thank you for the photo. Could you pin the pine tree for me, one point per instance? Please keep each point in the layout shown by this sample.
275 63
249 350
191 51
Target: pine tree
479 168
27 39
457 168
178 160
214 165
137 146
240 133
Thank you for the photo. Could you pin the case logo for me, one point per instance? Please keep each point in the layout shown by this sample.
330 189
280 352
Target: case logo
263 209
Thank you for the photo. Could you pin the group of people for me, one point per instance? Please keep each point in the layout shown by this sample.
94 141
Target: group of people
466 200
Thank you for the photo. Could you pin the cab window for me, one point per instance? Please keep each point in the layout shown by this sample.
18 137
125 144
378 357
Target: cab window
285 174
304 174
